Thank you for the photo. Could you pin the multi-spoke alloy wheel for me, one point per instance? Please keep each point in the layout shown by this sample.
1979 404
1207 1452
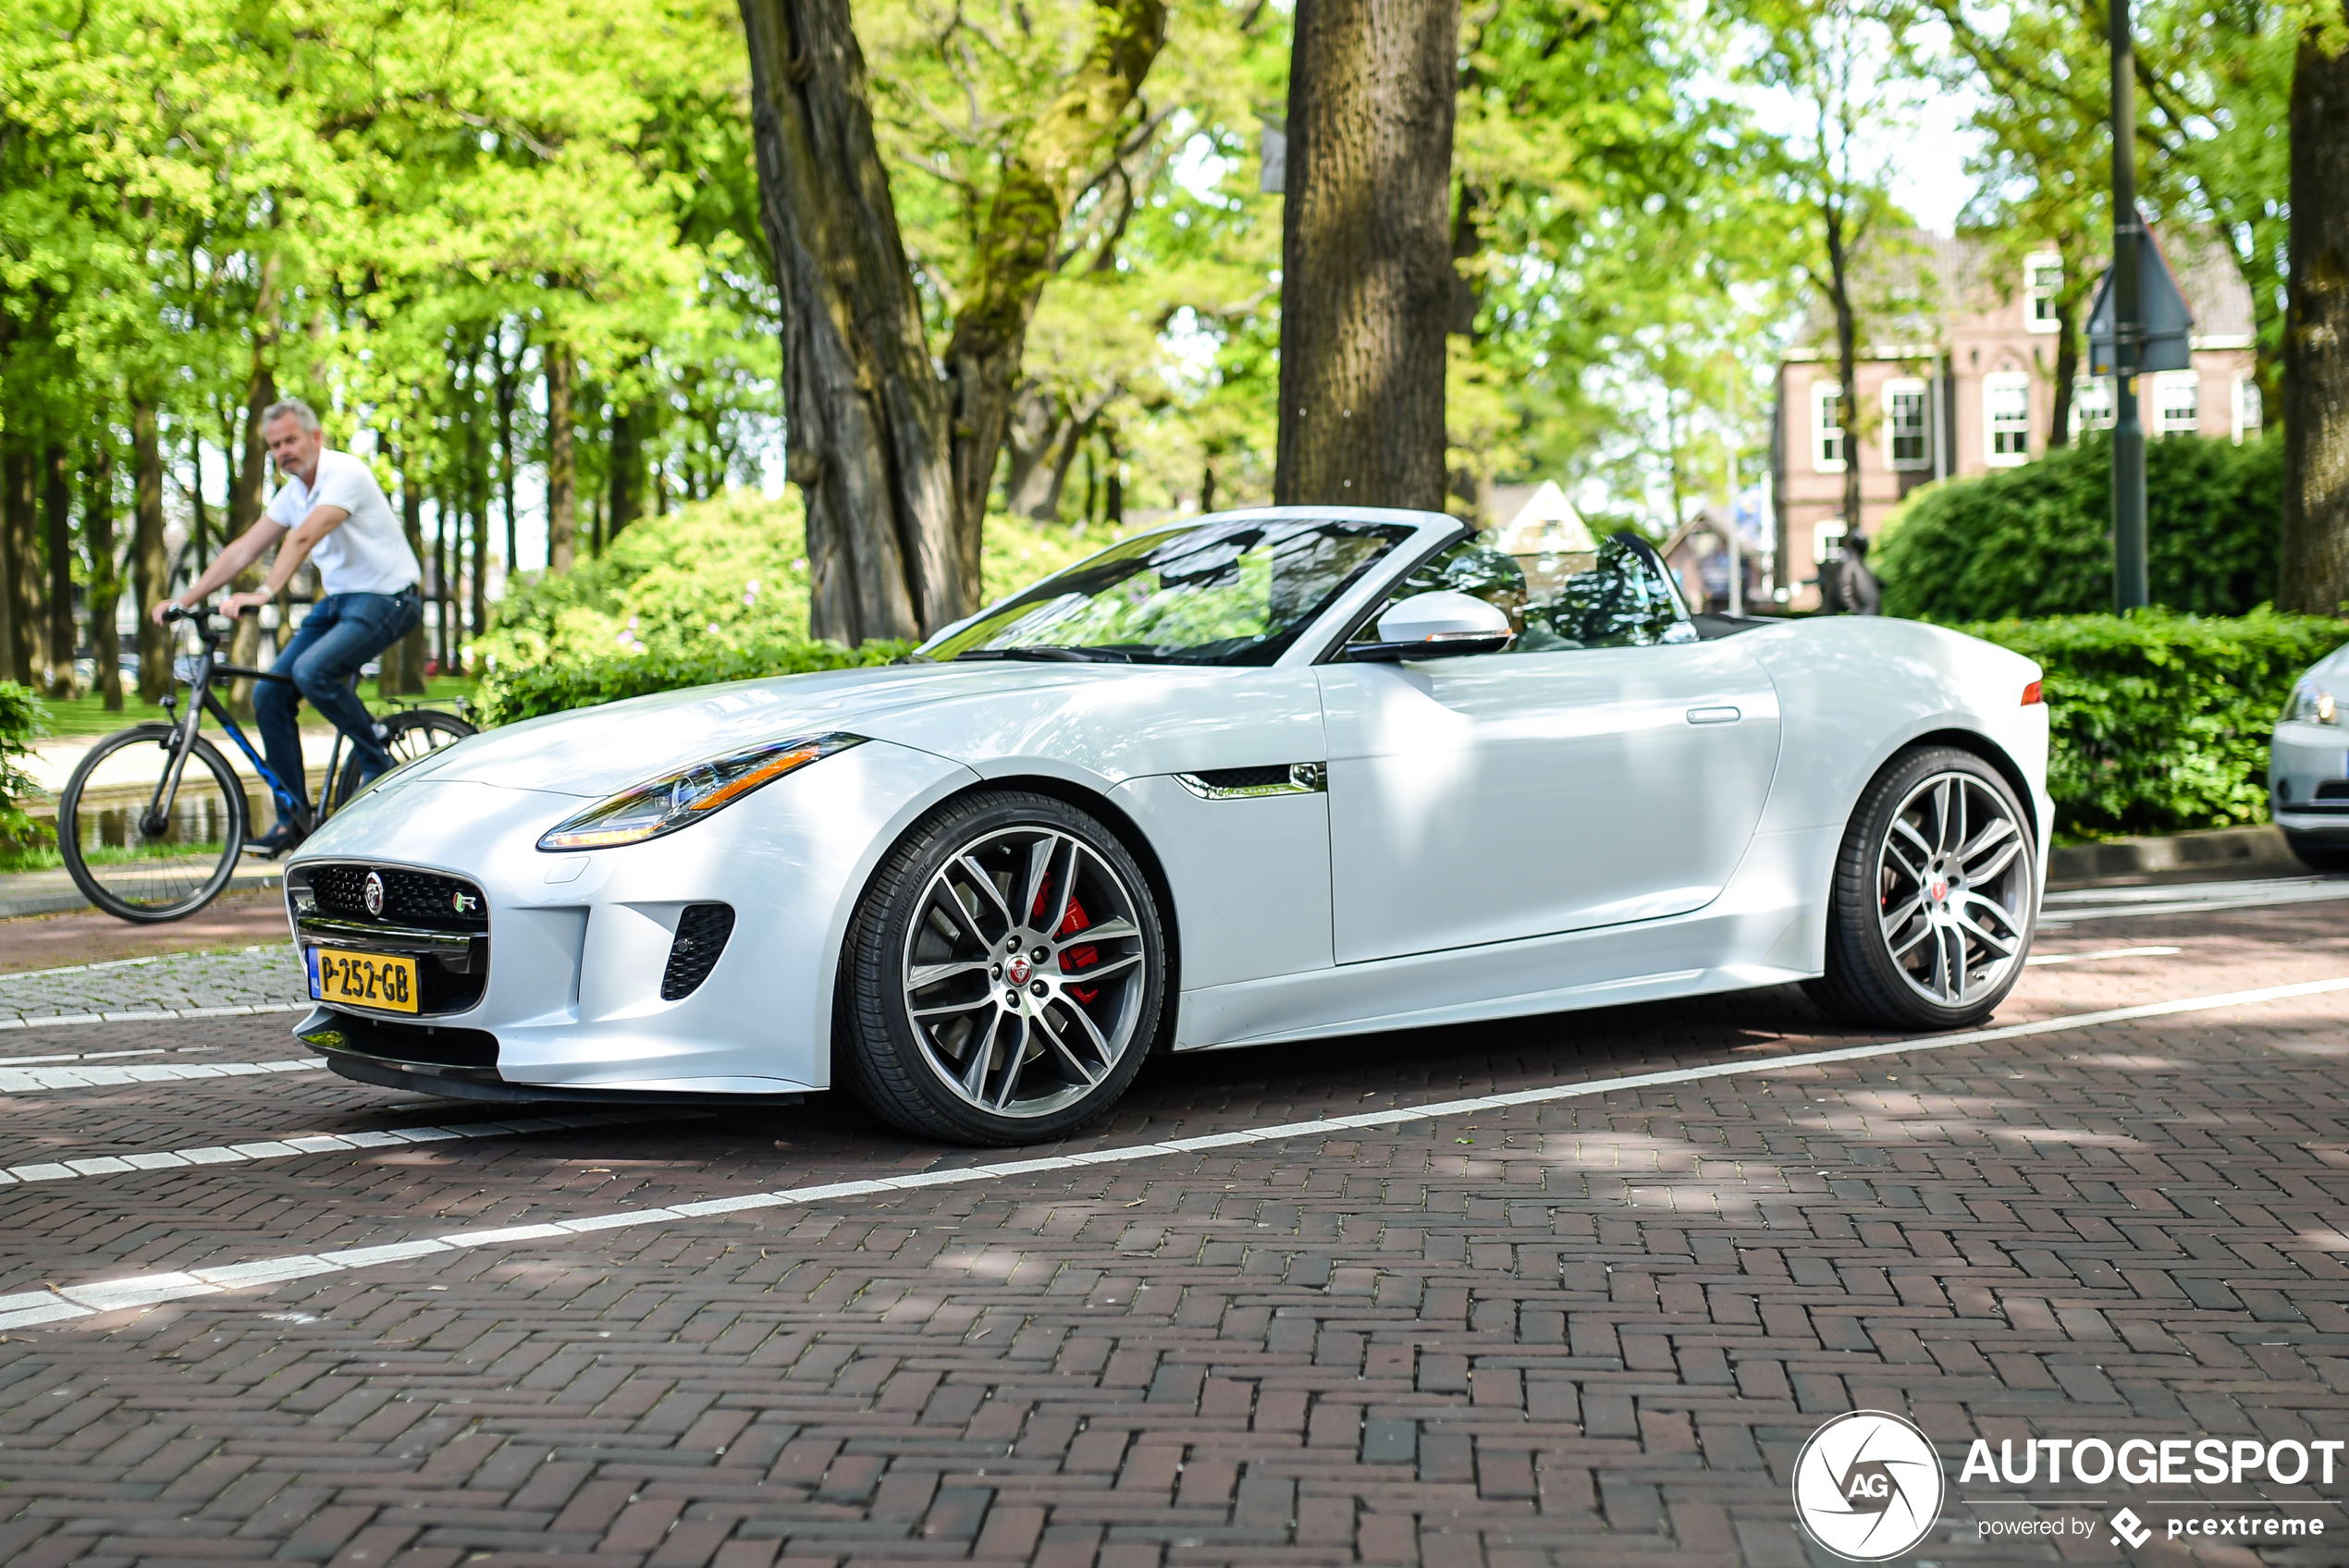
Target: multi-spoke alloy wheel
1953 905
1004 974
1935 895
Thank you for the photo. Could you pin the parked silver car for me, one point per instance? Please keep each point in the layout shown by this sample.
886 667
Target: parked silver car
2308 766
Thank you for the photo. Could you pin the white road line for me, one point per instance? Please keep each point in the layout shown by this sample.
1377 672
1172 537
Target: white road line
2099 955
291 1144
149 1015
48 1305
32 1080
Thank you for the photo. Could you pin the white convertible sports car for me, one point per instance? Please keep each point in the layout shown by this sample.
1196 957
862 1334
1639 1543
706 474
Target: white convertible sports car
1248 778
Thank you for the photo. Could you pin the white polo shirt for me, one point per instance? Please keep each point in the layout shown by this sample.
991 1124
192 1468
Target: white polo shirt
366 554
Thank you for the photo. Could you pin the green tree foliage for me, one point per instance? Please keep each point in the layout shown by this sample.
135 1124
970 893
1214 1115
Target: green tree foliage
19 725
2037 540
2161 721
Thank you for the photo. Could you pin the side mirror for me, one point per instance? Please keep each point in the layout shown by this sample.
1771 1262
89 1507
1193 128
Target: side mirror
1443 624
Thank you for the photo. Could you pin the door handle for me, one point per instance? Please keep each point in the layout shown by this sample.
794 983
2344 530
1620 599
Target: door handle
1715 716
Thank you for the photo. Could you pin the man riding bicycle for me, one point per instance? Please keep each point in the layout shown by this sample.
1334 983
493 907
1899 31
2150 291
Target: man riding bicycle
336 515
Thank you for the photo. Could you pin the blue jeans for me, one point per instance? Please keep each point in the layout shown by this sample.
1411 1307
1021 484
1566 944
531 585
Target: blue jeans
341 632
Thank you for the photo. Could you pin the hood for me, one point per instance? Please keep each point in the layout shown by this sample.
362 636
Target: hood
594 751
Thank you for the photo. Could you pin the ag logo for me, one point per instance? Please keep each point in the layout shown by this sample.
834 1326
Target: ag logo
1868 1486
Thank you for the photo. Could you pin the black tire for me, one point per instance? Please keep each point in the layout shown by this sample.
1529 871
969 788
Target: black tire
1899 957
98 810
2318 854
998 1023
407 736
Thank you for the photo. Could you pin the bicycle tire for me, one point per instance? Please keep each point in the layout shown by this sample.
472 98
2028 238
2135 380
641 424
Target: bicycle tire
173 889
408 736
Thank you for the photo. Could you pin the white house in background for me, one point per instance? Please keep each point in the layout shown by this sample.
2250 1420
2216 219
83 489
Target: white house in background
1537 520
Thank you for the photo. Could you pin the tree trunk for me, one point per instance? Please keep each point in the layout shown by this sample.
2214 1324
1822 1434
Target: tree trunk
2067 370
106 580
895 463
414 652
1366 253
562 476
1846 370
18 522
1030 441
2314 572
246 491
149 565
477 474
58 502
627 502
506 389
867 441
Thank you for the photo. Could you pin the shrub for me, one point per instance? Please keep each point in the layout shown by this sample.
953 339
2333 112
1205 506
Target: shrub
2037 540
20 722
513 692
728 573
2160 720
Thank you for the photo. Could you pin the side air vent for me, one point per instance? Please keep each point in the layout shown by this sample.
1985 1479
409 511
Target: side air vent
701 936
1250 783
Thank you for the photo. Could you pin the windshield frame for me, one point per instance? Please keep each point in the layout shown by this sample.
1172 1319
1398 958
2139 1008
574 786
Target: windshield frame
1312 638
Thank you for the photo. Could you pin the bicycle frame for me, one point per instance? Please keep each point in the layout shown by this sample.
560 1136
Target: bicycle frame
208 671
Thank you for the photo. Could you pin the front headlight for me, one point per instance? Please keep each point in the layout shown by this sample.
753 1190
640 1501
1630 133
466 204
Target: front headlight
689 794
2311 703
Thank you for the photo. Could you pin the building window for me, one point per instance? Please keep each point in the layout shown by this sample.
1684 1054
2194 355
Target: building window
1906 441
2091 404
2005 411
2177 403
2249 412
1826 542
2042 279
1826 428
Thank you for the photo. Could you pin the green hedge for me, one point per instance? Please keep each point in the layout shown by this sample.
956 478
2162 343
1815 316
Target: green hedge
2162 720
20 722
2037 540
509 694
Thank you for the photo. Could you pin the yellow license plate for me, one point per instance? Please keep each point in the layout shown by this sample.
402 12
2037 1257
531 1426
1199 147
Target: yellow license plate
376 980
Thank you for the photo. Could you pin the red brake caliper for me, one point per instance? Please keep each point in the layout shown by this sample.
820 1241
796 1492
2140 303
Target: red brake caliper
1072 958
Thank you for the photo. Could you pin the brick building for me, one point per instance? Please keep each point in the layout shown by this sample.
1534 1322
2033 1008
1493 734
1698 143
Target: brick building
1956 378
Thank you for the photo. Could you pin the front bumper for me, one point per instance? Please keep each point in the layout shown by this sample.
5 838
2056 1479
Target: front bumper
461 1064
583 984
2308 779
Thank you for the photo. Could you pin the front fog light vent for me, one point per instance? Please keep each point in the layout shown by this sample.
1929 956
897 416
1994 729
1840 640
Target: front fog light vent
702 931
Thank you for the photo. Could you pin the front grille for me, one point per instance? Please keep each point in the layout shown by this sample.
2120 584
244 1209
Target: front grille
2333 789
405 1042
702 931
422 899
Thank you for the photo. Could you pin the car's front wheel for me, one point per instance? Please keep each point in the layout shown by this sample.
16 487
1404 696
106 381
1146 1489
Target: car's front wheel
1004 976
1936 895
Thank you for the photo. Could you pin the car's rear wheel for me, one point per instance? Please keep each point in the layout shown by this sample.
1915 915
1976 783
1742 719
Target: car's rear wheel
1934 898
1004 976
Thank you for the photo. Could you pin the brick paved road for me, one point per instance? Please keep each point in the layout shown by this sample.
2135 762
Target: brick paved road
1591 1330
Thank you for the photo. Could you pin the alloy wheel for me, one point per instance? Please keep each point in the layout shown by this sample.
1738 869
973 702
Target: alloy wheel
1024 972
1951 881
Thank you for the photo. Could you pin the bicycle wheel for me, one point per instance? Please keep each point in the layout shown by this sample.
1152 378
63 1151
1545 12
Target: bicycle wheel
407 736
148 867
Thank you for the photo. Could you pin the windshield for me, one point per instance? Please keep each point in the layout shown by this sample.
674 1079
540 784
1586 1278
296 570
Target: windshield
1237 590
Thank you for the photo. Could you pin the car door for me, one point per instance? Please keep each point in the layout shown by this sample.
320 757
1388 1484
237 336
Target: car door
1612 775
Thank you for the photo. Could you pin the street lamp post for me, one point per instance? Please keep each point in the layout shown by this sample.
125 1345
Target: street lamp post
2128 430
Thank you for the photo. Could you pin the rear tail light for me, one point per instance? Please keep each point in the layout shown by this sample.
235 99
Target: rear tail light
2031 694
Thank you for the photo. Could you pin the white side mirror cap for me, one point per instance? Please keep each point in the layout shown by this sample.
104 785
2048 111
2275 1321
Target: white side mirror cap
1442 616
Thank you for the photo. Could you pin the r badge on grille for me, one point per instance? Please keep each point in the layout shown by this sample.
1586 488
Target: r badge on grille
372 893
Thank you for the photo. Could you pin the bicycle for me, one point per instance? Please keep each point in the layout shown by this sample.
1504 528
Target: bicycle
149 848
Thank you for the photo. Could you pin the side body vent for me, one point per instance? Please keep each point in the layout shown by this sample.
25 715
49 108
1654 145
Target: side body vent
701 936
